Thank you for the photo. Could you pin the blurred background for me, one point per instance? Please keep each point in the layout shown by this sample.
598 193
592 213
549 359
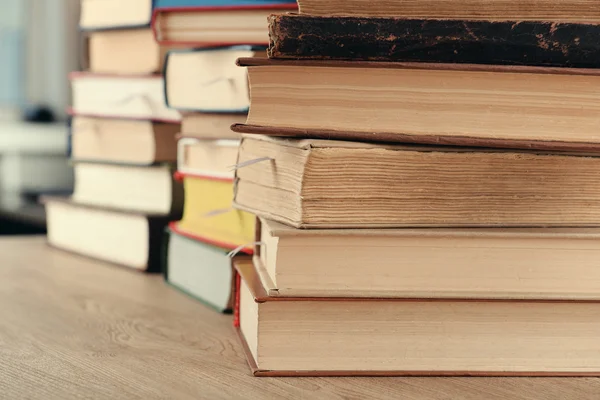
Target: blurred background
39 46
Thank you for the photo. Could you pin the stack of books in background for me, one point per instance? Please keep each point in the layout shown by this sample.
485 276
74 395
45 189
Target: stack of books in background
452 227
204 84
123 143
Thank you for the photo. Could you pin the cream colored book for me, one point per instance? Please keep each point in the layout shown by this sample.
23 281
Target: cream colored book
335 184
484 263
294 336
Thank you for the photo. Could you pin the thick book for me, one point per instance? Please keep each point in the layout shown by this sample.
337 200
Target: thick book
199 270
207 157
209 216
109 140
143 189
211 125
337 184
123 52
473 263
543 43
126 238
210 23
219 87
121 96
526 107
115 14
326 336
529 10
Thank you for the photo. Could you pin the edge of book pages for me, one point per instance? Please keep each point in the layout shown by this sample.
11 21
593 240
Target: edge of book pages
246 271
564 147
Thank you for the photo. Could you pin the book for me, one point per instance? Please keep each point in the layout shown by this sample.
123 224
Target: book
114 14
211 125
118 96
145 189
140 142
209 23
529 10
209 216
218 85
303 336
451 263
125 238
336 184
542 43
201 271
207 157
124 51
451 104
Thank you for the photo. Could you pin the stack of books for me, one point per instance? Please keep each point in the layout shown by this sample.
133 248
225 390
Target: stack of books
203 83
452 226
123 143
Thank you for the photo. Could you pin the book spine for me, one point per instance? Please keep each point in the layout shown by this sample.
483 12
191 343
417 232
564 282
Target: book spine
236 304
294 36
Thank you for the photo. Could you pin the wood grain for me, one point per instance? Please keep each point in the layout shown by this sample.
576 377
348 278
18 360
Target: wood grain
75 328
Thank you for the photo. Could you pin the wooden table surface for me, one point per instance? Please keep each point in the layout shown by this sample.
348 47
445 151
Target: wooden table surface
75 328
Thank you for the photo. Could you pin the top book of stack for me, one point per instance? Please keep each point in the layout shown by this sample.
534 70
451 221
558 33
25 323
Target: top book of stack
505 74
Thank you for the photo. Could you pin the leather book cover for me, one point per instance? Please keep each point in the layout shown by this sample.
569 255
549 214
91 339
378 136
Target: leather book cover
245 271
542 43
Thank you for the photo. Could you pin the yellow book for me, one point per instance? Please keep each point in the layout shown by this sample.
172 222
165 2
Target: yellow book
209 216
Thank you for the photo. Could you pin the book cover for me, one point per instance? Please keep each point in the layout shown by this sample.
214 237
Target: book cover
543 43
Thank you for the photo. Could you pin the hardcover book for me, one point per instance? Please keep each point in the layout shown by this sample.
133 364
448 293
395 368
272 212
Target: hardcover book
527 10
118 96
145 189
108 140
310 336
542 43
200 270
338 184
211 125
218 85
209 216
210 23
115 14
458 263
523 107
207 157
123 52
126 238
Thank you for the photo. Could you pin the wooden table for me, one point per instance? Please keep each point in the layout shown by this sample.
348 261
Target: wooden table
75 328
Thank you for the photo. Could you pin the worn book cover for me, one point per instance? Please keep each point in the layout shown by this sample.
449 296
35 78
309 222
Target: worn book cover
543 43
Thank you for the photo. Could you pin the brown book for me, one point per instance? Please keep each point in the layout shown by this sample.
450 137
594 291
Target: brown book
309 336
528 10
126 51
455 104
129 239
543 43
211 125
337 184
111 140
143 189
475 263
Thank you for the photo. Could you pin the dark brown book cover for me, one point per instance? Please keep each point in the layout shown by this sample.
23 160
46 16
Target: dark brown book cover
246 271
543 43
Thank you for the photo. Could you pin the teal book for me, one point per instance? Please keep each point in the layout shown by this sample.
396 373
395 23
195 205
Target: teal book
199 270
